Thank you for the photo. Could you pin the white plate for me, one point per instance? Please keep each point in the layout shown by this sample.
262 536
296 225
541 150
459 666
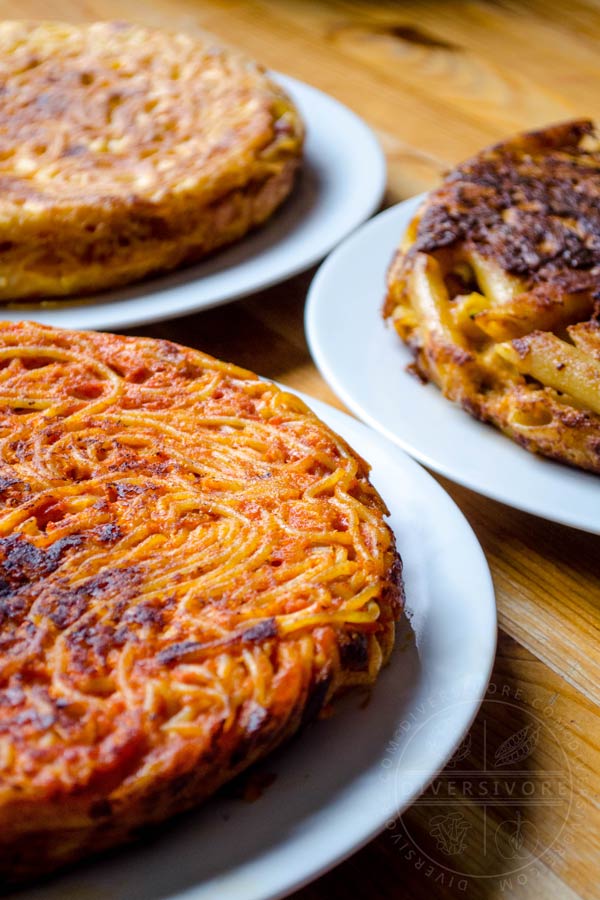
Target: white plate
341 184
342 779
365 362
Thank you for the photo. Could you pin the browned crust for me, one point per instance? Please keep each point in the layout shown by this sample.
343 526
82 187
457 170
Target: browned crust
531 203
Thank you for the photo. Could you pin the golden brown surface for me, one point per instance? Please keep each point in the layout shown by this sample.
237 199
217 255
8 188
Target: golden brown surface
191 565
496 290
126 151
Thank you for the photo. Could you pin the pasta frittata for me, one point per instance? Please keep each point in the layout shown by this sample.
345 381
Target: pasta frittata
191 565
126 150
496 289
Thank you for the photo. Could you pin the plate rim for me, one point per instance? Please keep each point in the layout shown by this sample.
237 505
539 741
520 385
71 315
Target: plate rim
104 312
357 407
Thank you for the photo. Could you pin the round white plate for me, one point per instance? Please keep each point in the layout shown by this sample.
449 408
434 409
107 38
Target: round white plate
365 362
343 778
341 184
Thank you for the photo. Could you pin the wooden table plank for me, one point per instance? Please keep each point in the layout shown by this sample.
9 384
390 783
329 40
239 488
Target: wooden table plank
437 81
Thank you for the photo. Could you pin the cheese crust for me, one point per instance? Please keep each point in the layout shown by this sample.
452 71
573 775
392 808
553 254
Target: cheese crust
126 151
191 565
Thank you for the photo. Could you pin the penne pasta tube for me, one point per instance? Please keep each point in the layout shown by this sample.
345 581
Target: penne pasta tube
430 298
556 364
532 311
465 310
497 285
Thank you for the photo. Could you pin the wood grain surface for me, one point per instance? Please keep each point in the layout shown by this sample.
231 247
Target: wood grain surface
438 80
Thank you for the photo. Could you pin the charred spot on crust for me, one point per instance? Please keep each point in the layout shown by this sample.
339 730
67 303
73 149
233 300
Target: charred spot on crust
12 606
185 649
260 632
123 581
528 203
395 592
354 651
7 483
396 574
100 809
145 614
176 652
254 724
316 699
62 606
108 534
90 640
123 490
22 562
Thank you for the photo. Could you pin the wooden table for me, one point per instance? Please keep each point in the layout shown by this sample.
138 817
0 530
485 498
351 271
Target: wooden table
438 80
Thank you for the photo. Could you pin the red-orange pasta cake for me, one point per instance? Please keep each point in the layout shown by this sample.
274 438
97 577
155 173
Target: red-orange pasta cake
191 564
